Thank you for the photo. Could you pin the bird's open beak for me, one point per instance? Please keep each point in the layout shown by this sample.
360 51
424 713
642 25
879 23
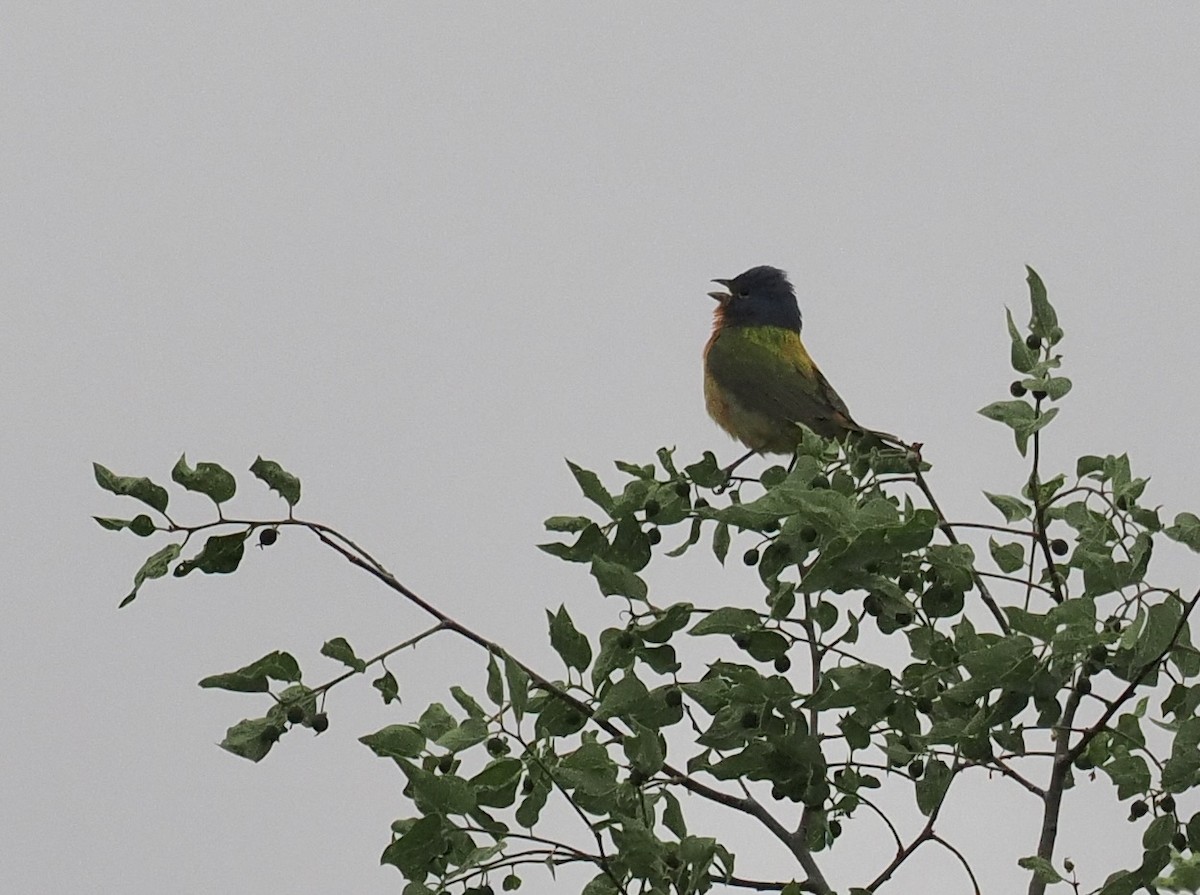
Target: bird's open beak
721 296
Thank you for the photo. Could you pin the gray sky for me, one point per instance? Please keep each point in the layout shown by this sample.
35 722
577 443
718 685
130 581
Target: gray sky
419 254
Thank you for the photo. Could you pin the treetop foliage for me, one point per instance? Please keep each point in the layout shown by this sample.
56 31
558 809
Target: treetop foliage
887 648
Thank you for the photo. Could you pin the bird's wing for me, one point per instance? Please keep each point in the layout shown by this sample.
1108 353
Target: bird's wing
768 370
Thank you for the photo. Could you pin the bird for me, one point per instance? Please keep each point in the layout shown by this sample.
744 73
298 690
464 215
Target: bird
760 384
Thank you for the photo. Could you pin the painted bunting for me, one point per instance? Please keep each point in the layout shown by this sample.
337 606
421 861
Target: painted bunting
759 380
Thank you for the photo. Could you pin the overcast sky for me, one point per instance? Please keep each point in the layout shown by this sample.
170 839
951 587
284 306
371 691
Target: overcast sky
419 253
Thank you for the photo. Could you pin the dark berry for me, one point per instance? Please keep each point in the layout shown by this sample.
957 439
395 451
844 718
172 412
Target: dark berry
1084 686
652 508
497 746
1138 809
750 557
835 828
1033 342
1167 803
1017 390
267 537
916 768
808 534
1059 547
820 482
654 536
1179 841
683 489
446 764
782 664
1038 395
295 714
320 722
907 581
673 697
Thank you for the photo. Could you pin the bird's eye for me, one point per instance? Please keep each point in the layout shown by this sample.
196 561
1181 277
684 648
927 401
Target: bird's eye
743 293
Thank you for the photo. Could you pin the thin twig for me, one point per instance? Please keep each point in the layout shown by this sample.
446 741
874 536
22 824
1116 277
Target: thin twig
948 531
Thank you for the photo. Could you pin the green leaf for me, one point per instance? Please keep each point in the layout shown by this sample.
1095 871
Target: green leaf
256 677
141 525
207 478
155 566
590 543
570 645
567 523
727 620
495 683
1162 620
388 688
1129 773
673 815
1021 417
622 698
517 679
1182 770
1008 557
467 702
932 786
1055 387
1014 414
1159 833
395 741
220 555
720 542
252 738
706 472
340 649
1186 531
435 721
496 785
1041 868
1043 321
591 486
471 732
601 884
618 580
107 522
1023 357
674 618
277 479
417 850
1013 509
138 487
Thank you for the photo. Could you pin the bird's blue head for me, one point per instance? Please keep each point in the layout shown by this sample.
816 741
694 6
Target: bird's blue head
762 296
